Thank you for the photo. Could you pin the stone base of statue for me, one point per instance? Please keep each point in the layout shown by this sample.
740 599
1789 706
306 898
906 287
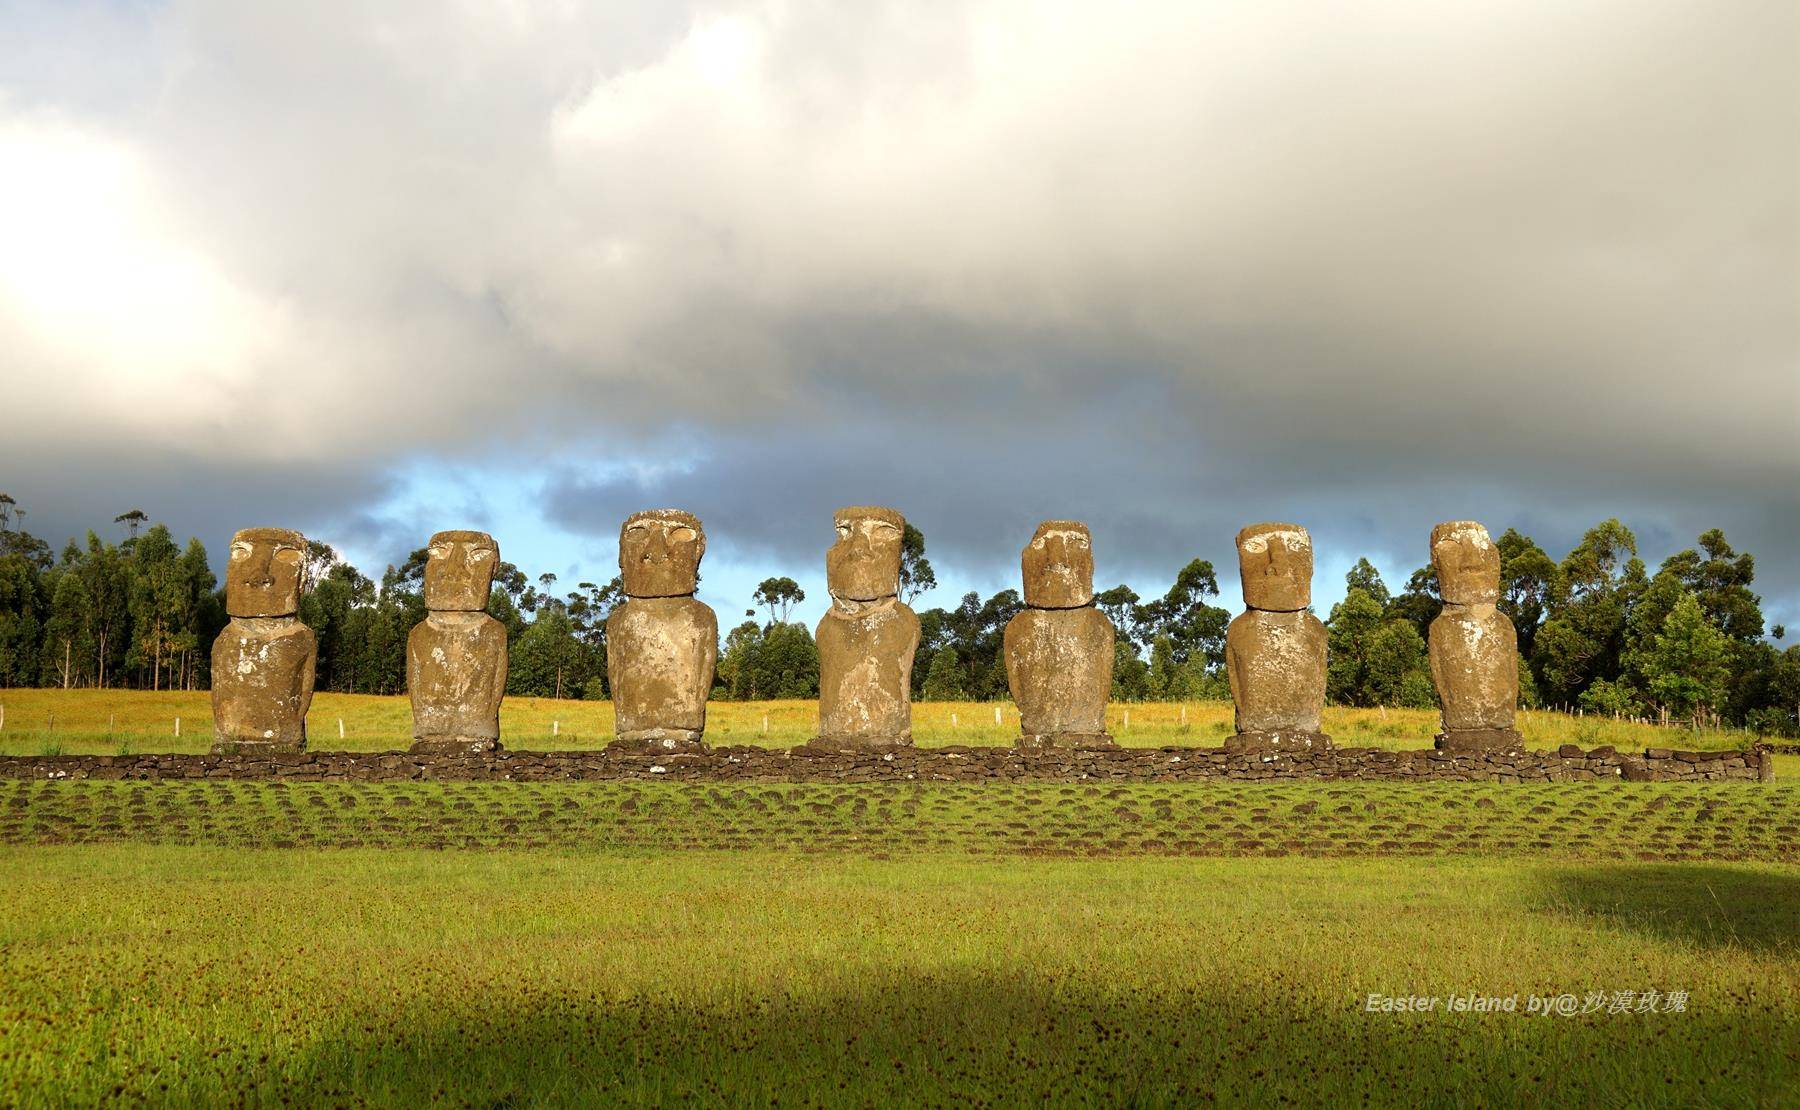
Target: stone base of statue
860 742
1282 740
657 741
454 745
1481 740
1065 740
258 749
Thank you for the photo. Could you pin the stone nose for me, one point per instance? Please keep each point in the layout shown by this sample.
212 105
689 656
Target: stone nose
656 548
1278 560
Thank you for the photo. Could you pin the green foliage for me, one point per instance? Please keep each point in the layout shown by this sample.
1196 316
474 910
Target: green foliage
1687 667
1612 699
778 660
1131 675
779 595
1363 576
943 680
916 575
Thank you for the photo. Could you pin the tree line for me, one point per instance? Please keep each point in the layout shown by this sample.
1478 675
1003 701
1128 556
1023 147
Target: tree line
1596 629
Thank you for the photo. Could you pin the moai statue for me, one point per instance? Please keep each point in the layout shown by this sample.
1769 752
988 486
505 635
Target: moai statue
868 636
456 656
1059 648
661 642
1474 650
1275 649
262 663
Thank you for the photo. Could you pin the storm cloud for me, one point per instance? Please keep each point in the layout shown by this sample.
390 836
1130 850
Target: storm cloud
1167 268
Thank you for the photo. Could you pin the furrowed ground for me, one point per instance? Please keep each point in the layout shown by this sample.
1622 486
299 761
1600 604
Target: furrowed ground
507 943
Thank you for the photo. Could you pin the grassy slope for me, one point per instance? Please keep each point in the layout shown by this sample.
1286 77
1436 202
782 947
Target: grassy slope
189 974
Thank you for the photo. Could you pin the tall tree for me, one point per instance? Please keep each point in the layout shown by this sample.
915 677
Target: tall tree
916 575
779 595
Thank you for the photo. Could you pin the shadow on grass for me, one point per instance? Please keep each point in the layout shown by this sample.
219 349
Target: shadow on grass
1024 1039
1709 905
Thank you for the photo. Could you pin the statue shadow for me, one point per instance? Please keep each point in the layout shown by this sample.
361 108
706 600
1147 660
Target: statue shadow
1706 905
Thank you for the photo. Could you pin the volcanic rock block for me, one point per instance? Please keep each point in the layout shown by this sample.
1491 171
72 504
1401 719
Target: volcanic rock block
263 661
1059 650
456 657
662 643
868 637
1275 650
1473 649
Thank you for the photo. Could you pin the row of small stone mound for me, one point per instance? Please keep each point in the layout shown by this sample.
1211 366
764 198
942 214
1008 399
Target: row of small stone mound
945 764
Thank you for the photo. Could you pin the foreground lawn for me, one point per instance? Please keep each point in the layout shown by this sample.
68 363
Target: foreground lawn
1573 820
206 975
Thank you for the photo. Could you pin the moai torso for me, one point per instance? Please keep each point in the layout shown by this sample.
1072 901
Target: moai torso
865 674
263 660
660 655
1059 665
1475 665
1275 662
1059 649
662 643
456 676
456 656
1473 648
1275 649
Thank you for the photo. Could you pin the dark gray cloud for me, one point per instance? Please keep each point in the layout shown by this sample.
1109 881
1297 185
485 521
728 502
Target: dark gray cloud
1166 269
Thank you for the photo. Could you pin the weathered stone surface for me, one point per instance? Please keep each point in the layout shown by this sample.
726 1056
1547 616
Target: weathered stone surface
1473 649
1275 562
456 657
660 552
1059 666
456 676
865 674
263 661
459 571
262 575
1058 566
1275 649
262 684
1467 563
868 637
660 655
864 563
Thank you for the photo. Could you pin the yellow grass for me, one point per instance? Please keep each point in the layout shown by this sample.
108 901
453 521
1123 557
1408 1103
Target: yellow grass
108 721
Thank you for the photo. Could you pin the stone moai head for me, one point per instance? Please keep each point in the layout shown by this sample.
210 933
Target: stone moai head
1059 566
659 553
1467 563
864 563
459 571
1276 563
263 577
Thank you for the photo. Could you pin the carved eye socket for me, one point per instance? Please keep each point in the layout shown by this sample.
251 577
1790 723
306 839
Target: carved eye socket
682 534
1256 545
240 550
881 529
439 551
843 531
480 554
288 554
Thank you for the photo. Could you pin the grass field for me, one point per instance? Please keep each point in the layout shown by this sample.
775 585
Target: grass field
514 943
208 976
99 722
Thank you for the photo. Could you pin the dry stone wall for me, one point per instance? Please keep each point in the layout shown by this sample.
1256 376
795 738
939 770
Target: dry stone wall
947 764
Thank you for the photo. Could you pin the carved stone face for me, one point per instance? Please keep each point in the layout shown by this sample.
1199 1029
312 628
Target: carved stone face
1276 562
459 571
1059 566
263 577
1467 563
659 553
864 563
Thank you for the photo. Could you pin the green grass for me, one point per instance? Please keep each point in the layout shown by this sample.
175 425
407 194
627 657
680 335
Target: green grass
1650 821
217 976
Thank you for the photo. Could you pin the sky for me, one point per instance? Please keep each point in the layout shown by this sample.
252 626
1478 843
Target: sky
374 271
